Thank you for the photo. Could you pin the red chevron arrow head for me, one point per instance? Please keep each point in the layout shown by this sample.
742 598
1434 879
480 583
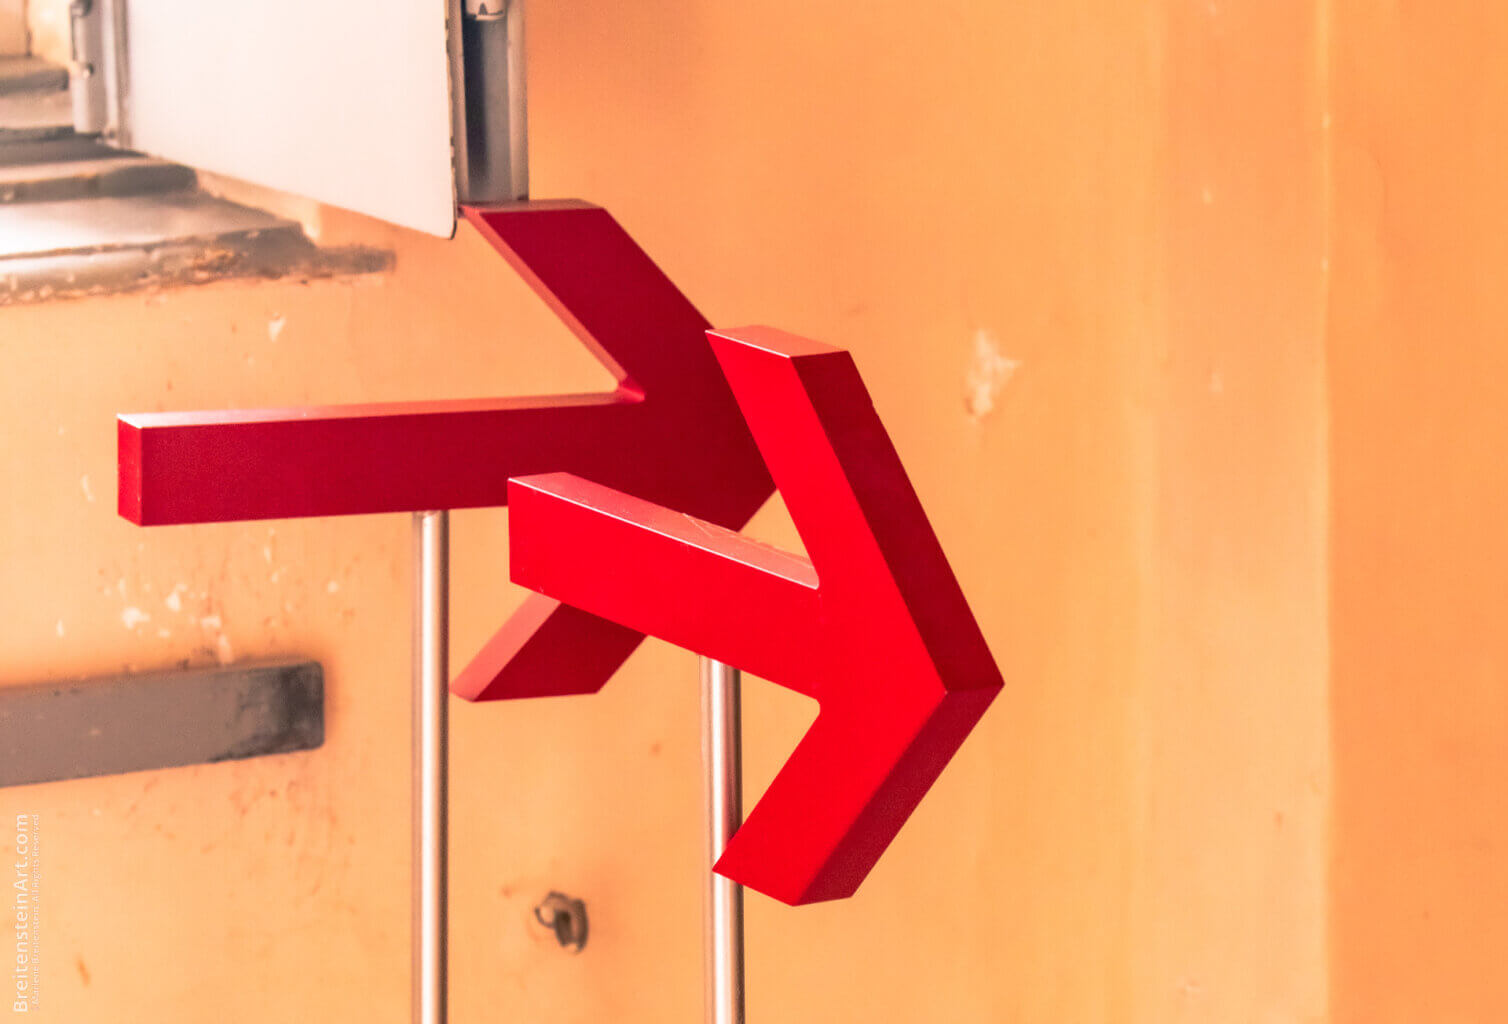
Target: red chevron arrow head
874 627
670 431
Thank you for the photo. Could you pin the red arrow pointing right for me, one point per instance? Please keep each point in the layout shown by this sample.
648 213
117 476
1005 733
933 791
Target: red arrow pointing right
874 627
670 432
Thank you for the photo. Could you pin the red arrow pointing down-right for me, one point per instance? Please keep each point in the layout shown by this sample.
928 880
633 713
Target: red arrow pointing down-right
874 626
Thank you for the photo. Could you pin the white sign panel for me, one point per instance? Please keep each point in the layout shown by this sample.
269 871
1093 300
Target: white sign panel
344 101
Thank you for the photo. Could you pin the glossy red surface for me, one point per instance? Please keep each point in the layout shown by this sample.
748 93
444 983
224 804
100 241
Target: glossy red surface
670 432
630 531
874 627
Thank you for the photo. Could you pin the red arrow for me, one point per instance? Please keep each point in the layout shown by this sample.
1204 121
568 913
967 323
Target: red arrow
669 432
874 627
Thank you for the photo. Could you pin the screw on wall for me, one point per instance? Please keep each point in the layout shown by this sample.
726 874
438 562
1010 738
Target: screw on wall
566 917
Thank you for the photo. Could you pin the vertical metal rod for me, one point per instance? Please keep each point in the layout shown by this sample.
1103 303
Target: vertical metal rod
430 752
493 144
722 755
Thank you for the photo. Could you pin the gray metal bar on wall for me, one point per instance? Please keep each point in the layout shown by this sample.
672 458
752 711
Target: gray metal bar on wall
141 722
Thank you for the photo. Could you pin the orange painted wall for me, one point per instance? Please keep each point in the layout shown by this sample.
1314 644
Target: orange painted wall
1232 729
1078 250
1419 393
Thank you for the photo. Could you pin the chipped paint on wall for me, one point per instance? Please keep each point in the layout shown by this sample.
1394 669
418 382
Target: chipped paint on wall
989 372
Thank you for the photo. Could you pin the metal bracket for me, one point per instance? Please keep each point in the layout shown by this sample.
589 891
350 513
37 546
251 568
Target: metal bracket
97 77
566 917
134 723
492 163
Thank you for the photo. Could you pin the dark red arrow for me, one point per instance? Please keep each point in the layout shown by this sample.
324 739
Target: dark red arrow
670 432
874 627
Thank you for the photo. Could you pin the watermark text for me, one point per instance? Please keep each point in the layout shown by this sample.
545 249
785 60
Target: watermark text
26 907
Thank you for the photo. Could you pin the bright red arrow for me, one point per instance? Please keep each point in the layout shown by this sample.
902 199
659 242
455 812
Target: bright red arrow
670 432
874 627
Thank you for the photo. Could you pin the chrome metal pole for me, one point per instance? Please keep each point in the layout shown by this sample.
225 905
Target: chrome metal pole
430 751
493 151
722 756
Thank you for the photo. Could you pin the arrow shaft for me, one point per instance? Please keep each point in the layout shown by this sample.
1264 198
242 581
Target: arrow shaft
178 468
669 575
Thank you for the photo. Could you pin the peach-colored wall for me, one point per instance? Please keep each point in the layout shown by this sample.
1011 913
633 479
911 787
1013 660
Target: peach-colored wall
13 35
1419 397
47 29
1232 728
1077 250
